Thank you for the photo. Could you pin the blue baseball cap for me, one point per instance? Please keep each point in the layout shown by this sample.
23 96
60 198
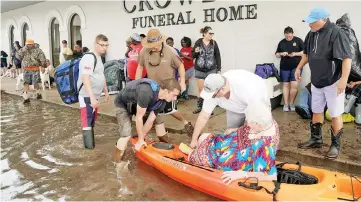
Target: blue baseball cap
316 14
135 37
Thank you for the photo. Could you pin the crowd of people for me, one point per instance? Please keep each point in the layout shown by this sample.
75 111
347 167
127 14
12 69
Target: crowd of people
158 74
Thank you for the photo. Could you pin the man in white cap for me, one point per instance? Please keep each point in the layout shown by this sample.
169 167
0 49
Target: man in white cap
232 91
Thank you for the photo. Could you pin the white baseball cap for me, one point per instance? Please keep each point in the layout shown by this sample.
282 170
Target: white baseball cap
212 84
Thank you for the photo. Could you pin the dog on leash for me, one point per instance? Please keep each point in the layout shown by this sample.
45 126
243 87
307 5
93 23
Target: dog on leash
45 77
20 81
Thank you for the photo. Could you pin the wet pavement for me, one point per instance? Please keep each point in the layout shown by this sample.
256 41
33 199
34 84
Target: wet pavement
42 157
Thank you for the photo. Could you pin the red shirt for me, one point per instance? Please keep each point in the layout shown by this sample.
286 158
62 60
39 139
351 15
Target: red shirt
132 63
187 63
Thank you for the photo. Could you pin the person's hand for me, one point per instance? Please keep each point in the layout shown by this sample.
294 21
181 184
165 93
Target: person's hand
229 176
298 74
352 84
193 144
139 144
284 54
107 97
341 85
230 130
94 102
292 54
197 50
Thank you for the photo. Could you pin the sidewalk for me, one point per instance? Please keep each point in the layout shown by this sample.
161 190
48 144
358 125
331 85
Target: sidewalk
292 130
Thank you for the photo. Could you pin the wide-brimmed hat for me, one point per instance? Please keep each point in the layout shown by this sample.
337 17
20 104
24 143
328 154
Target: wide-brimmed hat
153 38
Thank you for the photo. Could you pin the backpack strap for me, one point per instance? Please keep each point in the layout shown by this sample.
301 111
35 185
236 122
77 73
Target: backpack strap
95 63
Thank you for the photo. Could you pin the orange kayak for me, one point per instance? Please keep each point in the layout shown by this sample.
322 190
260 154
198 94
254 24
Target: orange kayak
168 159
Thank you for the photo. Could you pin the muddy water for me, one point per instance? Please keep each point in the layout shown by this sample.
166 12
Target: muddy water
42 158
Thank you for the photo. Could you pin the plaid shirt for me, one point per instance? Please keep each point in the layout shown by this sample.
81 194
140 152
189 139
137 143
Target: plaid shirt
356 91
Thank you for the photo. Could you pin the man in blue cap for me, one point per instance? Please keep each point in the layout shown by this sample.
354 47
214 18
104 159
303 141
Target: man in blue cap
328 52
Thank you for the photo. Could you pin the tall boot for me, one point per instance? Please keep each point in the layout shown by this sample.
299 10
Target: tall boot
315 140
119 149
88 139
358 114
199 106
334 149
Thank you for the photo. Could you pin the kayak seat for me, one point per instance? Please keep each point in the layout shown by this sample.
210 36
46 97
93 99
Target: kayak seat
163 146
294 176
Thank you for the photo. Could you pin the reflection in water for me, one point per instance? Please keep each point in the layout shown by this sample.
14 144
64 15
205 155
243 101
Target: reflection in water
42 158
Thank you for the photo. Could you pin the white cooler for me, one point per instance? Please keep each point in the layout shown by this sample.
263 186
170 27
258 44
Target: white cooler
274 91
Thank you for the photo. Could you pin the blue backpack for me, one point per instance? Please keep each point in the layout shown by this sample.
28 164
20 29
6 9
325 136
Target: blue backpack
66 79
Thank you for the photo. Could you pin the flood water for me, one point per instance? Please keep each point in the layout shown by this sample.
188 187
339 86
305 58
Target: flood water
42 158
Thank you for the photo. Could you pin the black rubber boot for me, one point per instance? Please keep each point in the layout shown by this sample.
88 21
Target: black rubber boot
315 140
334 149
88 139
199 106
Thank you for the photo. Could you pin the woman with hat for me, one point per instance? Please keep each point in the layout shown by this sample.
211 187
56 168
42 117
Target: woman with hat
250 151
132 54
161 61
208 60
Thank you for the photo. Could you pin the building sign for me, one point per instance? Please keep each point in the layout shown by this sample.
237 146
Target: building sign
232 13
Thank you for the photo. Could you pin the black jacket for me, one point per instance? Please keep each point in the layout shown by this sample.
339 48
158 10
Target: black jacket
326 49
208 58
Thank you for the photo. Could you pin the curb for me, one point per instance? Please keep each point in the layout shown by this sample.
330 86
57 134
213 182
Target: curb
318 161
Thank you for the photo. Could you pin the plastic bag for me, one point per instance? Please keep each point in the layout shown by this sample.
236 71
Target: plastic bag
345 24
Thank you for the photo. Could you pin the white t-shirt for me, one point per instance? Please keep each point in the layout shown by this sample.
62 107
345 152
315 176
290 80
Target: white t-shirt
97 77
246 87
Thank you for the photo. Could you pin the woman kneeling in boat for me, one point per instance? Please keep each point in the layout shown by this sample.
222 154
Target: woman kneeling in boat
248 151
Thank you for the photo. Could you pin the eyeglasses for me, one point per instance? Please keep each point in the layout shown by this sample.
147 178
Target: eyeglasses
211 33
103 45
215 94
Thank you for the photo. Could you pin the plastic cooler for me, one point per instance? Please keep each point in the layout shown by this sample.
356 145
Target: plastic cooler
274 91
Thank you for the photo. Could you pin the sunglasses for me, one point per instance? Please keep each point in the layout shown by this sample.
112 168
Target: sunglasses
211 33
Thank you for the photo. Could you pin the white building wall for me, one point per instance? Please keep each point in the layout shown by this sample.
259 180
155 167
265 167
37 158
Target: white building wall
243 43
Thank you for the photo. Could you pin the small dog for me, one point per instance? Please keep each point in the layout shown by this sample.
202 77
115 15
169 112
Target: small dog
19 81
45 77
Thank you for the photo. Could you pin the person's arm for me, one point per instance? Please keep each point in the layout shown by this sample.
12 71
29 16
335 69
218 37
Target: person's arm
20 53
141 64
139 72
149 123
303 62
278 51
218 57
177 63
139 122
201 122
42 59
342 51
86 67
195 54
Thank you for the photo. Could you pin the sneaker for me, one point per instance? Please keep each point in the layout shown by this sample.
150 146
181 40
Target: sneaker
26 101
38 96
286 108
293 108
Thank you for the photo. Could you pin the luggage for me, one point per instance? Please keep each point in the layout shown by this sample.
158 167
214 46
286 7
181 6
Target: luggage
294 182
274 91
267 70
345 24
66 79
